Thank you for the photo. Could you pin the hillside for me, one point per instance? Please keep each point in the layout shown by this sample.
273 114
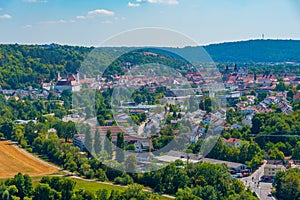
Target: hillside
251 51
256 51
29 65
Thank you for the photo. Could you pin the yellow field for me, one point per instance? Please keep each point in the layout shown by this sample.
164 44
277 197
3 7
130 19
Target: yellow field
13 160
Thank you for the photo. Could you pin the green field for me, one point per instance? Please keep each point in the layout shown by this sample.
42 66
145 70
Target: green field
89 185
94 186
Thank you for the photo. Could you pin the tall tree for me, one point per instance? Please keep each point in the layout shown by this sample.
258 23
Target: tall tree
24 185
44 191
130 163
97 142
67 188
108 144
88 139
120 153
70 130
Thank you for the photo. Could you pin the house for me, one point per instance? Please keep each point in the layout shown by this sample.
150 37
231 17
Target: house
247 121
113 129
270 170
19 121
294 164
71 83
141 157
247 110
119 122
143 145
198 129
237 126
177 155
193 136
237 167
233 142
206 120
297 95
234 95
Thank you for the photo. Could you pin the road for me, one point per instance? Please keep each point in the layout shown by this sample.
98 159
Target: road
140 130
261 189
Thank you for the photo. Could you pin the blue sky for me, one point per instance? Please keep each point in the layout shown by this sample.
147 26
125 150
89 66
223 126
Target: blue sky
89 22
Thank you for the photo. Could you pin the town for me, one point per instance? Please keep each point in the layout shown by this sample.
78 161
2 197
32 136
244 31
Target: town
164 104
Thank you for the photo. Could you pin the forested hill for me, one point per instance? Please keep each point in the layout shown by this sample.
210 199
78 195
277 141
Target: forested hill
29 65
256 51
245 51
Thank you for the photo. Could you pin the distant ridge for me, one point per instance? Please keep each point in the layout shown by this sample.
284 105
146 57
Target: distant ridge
245 51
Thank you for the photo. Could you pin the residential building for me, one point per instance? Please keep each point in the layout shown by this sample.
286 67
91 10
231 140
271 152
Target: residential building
237 167
233 142
270 170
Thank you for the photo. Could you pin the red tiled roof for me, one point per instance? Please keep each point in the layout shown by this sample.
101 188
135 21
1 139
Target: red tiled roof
232 140
113 129
297 95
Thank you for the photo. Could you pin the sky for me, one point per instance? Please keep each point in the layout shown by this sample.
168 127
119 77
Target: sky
90 22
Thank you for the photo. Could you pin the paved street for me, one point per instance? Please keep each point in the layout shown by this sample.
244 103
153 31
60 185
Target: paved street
260 188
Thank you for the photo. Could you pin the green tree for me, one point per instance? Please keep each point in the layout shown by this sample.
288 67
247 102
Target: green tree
207 192
261 96
281 86
23 184
88 139
287 184
275 154
120 153
186 194
44 192
97 142
67 188
101 175
102 194
82 194
130 163
108 144
70 130
296 152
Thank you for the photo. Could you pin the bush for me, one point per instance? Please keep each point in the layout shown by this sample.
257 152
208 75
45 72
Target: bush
124 180
101 175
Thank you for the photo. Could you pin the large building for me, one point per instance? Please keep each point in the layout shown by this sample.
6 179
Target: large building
69 83
270 170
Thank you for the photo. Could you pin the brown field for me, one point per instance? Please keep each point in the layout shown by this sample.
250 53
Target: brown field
13 160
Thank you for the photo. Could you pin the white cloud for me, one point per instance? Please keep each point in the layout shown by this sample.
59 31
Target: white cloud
1 9
133 4
169 2
81 17
94 13
61 21
5 16
101 12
